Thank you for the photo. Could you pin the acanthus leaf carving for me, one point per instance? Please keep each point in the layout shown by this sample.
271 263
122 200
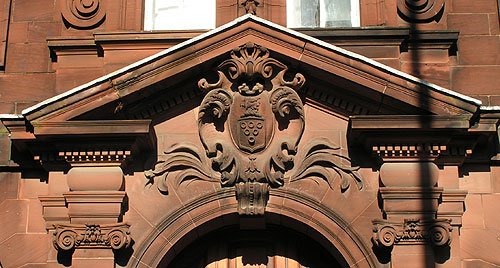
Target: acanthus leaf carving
323 159
185 162
71 236
250 123
412 231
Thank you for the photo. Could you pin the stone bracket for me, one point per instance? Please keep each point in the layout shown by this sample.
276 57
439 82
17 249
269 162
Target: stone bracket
95 206
54 210
452 205
412 231
398 202
75 208
71 236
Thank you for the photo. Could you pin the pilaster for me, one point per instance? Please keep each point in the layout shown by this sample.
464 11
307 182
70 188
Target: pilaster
89 215
410 202
420 221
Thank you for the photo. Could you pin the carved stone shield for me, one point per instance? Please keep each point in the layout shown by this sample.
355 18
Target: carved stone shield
251 133
251 122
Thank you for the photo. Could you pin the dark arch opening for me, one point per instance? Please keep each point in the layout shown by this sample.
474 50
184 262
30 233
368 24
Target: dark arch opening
274 246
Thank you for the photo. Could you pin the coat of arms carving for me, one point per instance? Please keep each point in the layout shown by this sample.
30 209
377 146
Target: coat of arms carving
250 123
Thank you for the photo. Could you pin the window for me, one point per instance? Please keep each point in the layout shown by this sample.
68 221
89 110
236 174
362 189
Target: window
322 13
179 14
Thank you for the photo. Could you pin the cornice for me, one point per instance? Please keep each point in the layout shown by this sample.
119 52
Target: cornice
91 127
399 122
402 84
451 139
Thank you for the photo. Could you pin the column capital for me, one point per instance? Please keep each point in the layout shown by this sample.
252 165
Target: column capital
412 232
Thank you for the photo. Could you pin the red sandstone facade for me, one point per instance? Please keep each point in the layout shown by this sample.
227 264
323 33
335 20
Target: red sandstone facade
250 145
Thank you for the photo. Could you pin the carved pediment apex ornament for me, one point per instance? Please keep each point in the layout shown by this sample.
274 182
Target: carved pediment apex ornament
247 70
71 236
420 10
250 6
412 231
83 13
250 123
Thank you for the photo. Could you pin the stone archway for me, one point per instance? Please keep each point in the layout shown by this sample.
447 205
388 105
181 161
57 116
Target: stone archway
272 247
212 212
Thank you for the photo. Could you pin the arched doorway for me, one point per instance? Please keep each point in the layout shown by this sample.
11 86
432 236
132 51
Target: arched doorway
215 212
273 247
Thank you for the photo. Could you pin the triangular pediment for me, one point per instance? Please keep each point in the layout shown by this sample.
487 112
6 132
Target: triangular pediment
337 79
378 105
120 110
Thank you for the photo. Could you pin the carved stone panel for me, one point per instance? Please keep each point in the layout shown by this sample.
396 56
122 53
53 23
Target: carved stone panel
83 13
250 6
420 10
250 123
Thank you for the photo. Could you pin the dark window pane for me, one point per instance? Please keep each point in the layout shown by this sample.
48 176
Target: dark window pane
337 13
309 13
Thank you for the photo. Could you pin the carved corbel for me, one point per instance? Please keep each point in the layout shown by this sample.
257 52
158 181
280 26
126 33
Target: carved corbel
68 237
252 197
412 231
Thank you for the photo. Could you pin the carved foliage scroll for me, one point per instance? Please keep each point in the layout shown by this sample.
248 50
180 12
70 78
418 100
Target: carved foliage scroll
420 10
70 236
412 231
250 123
83 13
323 159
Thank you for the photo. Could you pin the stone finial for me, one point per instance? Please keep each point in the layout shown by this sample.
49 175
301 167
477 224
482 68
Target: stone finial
250 6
